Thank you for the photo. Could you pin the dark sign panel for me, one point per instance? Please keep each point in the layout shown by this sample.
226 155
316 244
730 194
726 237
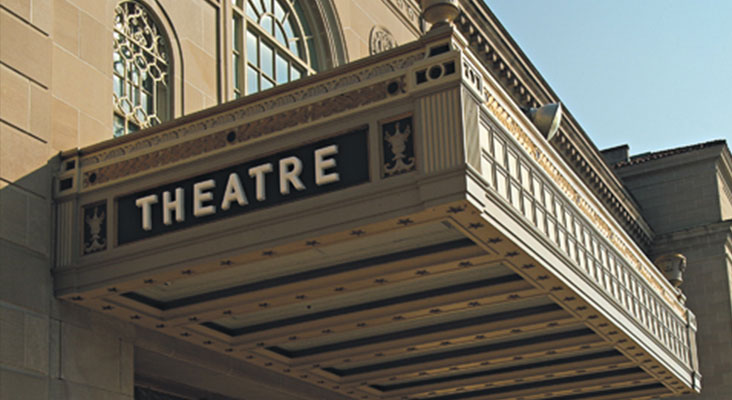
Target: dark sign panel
316 168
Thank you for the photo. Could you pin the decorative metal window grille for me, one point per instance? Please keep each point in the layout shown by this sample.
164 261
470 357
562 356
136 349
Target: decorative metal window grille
272 44
141 70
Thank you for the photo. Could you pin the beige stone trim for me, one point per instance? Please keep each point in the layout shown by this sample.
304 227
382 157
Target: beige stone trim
409 11
495 105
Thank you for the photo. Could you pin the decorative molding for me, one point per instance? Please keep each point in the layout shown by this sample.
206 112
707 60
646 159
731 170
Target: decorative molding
499 56
472 76
440 117
434 72
471 123
409 10
398 147
380 40
718 234
175 147
95 228
724 186
65 233
627 217
250 110
673 266
577 236
512 127
248 131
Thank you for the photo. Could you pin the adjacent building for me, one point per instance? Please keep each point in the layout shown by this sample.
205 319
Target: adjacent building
685 196
335 199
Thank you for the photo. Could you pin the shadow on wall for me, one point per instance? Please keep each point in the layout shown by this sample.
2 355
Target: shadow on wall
26 236
53 349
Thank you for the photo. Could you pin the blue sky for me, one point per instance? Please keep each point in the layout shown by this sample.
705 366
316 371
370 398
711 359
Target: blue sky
654 74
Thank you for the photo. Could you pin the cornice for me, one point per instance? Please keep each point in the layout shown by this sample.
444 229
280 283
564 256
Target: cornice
708 154
716 233
513 70
499 106
645 162
724 166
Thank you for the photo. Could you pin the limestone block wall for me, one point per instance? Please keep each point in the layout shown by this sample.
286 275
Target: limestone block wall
673 197
359 18
684 199
56 58
56 95
52 350
707 284
194 25
56 65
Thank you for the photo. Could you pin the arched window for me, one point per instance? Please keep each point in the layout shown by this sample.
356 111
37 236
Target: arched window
272 44
141 70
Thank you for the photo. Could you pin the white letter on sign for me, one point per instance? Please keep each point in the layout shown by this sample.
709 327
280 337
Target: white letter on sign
290 169
233 191
173 205
258 174
146 204
321 164
200 195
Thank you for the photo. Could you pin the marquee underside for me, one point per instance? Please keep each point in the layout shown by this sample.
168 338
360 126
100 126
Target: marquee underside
407 308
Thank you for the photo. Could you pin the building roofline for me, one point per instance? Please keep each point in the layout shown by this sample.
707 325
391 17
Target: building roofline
661 154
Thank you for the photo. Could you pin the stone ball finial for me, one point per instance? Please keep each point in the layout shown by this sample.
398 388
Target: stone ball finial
440 12
673 267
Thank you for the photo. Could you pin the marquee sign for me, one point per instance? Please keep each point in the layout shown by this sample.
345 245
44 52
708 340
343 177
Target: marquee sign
331 164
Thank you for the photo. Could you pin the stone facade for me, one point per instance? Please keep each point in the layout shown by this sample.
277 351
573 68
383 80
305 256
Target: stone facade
683 193
56 83
55 92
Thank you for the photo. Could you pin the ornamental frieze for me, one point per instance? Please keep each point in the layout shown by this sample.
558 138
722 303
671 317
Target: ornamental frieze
550 168
249 111
218 140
